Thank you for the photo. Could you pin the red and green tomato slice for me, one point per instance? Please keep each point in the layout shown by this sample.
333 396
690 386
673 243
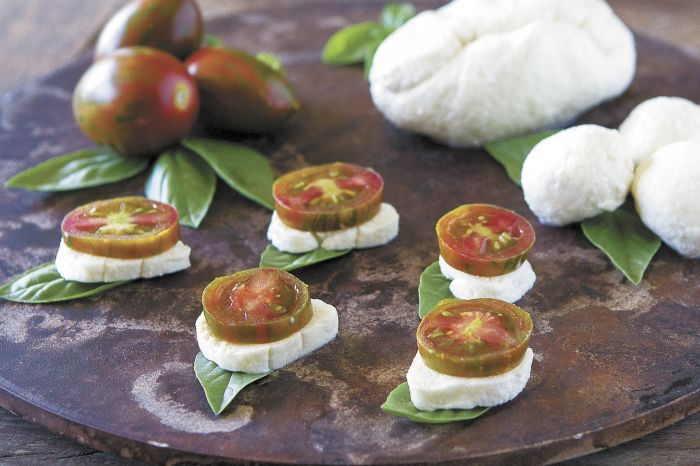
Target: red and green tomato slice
258 305
484 240
122 228
474 338
328 197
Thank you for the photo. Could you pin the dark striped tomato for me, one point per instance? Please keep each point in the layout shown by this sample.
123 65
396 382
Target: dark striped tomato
258 305
138 101
474 338
483 239
174 26
123 228
328 197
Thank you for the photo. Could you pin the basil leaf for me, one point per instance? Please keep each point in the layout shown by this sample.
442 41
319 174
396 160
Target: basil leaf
43 284
398 403
369 55
184 181
273 257
396 15
210 40
623 237
511 153
79 169
221 386
242 168
271 60
349 45
432 288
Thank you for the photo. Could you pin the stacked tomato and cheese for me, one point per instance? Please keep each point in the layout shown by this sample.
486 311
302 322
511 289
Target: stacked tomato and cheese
483 250
333 206
262 319
470 353
121 239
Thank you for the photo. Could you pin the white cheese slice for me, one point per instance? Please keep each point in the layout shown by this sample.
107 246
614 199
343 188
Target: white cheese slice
509 287
431 390
88 268
255 358
377 231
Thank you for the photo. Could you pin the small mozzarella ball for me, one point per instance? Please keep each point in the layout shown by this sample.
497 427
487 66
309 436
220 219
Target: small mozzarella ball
576 174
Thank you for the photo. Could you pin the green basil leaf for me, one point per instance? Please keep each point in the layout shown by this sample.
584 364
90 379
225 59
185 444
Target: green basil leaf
243 169
43 284
271 60
210 40
623 237
184 181
221 386
432 288
369 55
395 15
511 153
79 169
349 45
398 403
273 257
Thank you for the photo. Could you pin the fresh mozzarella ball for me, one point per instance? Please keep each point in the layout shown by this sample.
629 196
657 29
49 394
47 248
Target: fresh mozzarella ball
480 70
431 390
256 358
576 174
509 287
667 195
658 122
87 268
377 231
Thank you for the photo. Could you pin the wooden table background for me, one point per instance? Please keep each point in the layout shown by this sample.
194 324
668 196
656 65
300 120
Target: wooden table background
38 36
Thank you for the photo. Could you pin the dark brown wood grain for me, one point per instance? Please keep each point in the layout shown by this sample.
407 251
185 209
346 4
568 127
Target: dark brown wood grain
339 120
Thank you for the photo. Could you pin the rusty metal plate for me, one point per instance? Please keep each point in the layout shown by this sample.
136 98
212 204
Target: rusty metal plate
613 361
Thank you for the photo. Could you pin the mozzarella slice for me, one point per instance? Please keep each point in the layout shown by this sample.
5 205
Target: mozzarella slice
377 231
255 358
509 287
431 390
88 268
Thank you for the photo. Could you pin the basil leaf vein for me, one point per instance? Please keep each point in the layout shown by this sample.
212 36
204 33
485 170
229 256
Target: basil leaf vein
273 257
511 153
433 288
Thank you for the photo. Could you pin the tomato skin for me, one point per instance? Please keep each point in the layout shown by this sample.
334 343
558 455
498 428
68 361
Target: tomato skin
238 315
293 207
473 255
489 337
174 26
239 93
79 227
137 101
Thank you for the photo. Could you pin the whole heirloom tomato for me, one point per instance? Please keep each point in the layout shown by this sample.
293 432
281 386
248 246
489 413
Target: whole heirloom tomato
174 26
239 93
137 101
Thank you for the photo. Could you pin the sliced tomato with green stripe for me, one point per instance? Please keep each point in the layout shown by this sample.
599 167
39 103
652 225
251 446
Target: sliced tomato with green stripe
122 228
258 305
474 338
328 197
484 239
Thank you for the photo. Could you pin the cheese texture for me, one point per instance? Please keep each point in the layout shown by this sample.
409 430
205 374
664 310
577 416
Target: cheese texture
431 390
509 287
256 358
379 230
475 71
88 268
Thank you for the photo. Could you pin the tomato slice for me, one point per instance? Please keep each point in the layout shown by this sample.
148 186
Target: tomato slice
328 197
475 337
484 239
123 228
258 305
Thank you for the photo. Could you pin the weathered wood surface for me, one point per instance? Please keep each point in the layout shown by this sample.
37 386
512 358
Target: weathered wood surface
676 445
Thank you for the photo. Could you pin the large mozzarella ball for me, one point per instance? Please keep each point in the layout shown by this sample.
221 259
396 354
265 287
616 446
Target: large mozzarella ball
576 174
658 122
479 70
667 195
